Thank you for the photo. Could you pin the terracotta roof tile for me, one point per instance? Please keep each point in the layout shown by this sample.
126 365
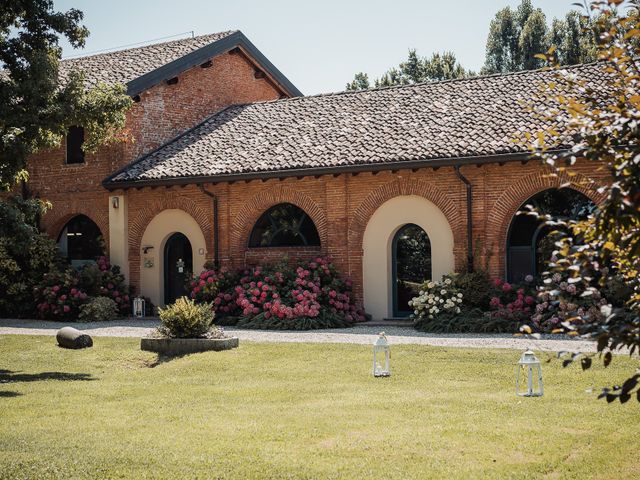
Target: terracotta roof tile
461 118
123 66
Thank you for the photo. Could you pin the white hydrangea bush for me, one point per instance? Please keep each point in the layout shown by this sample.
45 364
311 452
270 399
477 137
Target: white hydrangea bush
436 298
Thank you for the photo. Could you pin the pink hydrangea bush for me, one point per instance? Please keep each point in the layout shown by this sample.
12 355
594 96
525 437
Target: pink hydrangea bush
565 303
112 284
60 294
217 287
306 295
511 303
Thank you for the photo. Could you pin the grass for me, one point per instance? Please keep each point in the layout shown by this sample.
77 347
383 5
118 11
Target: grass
302 411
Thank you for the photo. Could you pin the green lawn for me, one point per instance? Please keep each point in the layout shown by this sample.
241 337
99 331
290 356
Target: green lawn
302 411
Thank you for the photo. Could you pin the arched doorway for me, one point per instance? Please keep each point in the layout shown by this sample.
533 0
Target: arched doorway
529 246
378 247
178 267
81 241
411 257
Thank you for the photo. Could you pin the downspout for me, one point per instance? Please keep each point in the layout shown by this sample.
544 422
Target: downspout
216 251
469 218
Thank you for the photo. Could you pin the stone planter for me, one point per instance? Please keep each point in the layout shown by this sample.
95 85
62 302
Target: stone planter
183 346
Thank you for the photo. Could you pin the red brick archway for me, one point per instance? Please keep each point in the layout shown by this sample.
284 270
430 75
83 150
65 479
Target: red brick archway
397 188
144 216
504 209
55 220
401 187
259 203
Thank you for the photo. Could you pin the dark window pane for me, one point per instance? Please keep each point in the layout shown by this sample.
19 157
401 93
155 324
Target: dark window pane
528 248
75 139
412 265
81 240
284 225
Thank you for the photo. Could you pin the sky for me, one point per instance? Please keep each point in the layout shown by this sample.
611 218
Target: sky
318 45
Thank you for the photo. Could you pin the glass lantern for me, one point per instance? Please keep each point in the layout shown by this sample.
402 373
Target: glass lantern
138 307
381 357
529 376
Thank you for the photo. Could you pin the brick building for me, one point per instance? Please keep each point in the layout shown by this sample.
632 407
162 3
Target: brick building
231 164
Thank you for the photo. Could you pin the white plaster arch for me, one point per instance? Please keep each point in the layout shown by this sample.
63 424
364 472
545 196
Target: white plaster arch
377 245
161 227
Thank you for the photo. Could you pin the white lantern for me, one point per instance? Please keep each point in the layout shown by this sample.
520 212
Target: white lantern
381 357
529 374
138 307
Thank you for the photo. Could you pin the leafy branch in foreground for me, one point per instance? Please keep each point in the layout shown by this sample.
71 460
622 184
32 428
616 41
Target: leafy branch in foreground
604 120
37 104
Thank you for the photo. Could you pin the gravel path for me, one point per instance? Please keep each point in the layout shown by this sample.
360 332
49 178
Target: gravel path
357 335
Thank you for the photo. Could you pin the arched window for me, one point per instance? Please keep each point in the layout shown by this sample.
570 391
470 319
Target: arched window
284 225
81 241
528 244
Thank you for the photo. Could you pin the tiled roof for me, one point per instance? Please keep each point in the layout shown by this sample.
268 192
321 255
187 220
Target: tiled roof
461 118
123 66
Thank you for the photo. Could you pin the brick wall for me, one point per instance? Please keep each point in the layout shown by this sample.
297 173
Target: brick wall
341 207
163 112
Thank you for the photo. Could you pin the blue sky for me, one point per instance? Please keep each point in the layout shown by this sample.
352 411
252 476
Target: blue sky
317 45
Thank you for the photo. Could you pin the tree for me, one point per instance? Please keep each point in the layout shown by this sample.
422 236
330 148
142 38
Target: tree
36 107
26 255
360 82
515 38
416 69
596 253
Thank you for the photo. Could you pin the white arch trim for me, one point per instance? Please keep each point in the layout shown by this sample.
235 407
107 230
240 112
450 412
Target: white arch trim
377 245
163 225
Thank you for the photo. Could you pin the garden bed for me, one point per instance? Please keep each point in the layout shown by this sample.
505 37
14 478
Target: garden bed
184 346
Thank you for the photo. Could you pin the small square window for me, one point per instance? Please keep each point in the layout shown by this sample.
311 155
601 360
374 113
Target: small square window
75 139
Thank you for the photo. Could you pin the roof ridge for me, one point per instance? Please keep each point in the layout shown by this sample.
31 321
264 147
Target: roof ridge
429 83
197 37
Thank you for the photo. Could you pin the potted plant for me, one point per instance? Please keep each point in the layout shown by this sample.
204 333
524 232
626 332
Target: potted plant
187 327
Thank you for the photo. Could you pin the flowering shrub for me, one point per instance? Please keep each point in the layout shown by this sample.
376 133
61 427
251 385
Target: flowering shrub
512 303
217 287
567 302
112 284
436 298
60 295
310 295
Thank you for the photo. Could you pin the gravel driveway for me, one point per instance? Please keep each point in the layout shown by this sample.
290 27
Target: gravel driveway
358 335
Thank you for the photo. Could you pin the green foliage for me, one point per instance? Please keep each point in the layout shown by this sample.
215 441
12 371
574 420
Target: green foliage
360 82
325 319
440 66
26 255
36 107
476 289
98 309
516 37
186 319
593 253
468 321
